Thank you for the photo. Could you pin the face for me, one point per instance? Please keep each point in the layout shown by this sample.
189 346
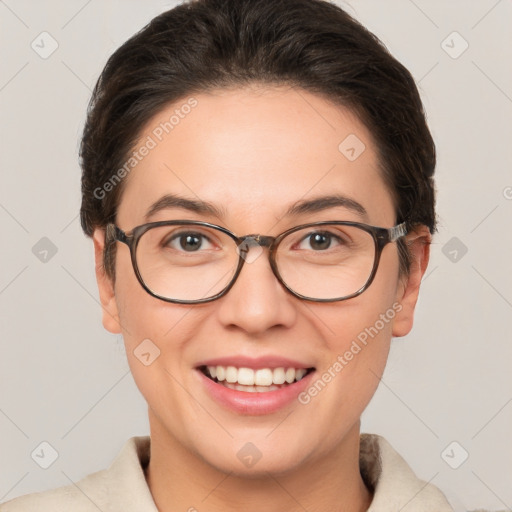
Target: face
253 153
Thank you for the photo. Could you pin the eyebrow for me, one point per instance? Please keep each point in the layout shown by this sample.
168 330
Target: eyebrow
301 207
326 202
192 205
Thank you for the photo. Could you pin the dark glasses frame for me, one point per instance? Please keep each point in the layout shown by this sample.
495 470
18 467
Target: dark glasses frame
381 237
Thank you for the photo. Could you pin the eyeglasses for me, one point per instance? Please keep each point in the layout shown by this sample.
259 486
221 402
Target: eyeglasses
192 262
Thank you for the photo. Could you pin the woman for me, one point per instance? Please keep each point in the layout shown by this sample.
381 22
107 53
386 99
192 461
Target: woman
257 182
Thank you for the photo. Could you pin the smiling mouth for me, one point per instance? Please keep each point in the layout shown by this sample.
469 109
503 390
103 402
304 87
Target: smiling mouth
250 380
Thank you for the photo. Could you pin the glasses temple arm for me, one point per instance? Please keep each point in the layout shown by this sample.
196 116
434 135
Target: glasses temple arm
397 232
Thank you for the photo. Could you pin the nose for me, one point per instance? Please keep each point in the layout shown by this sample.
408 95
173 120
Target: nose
257 301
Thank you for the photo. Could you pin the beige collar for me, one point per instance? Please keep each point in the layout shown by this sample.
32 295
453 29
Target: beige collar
123 485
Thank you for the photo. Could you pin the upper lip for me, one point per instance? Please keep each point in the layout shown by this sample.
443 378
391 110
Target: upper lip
269 361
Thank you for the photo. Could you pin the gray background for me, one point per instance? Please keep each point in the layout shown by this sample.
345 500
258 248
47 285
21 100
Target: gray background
65 380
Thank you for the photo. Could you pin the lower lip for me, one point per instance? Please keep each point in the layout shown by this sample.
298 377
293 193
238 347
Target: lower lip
244 402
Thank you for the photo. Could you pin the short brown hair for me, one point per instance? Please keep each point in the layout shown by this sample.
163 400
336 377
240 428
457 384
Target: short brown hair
208 44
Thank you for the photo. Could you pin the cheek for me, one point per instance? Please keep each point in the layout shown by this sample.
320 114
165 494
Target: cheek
368 316
155 335
154 331
358 336
357 342
141 315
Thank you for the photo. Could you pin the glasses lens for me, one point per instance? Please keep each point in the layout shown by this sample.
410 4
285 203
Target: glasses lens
186 262
326 262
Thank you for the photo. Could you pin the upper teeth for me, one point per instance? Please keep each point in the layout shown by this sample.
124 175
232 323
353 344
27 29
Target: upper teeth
261 377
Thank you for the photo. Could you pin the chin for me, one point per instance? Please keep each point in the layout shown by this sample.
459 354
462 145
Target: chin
254 459
259 469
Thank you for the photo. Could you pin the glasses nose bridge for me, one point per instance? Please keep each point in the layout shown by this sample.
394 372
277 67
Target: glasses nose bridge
257 239
257 242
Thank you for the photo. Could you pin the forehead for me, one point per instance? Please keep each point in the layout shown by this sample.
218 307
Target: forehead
254 152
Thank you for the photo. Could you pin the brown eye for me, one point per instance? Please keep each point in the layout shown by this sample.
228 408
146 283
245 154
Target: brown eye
188 242
319 241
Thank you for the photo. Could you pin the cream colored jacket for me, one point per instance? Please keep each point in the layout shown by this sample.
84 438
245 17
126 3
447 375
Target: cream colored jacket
122 487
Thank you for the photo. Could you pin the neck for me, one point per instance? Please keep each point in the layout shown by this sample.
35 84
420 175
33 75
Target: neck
180 480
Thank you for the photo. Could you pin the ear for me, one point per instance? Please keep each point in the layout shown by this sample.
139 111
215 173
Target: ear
105 286
418 243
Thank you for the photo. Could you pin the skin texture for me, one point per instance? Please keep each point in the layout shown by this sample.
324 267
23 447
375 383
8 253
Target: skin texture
254 152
